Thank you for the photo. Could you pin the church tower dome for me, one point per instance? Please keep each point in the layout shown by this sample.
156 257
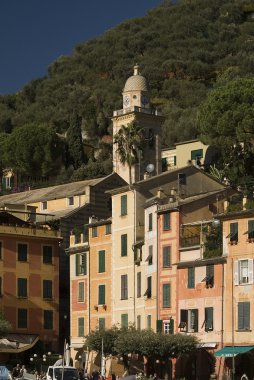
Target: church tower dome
136 82
136 91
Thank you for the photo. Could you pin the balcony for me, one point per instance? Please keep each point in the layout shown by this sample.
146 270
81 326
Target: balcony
125 111
28 231
78 239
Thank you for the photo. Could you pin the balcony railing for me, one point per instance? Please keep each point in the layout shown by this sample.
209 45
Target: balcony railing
148 111
28 230
189 241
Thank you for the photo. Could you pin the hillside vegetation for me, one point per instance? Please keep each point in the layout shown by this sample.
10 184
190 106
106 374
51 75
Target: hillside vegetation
185 50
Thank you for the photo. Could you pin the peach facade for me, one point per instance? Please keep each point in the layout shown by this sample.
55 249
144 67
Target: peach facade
34 271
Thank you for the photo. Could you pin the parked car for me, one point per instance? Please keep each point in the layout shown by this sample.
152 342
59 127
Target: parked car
62 373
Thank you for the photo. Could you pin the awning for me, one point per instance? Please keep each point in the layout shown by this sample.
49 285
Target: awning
15 343
230 351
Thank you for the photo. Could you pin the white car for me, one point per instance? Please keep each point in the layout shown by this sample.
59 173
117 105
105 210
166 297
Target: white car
62 373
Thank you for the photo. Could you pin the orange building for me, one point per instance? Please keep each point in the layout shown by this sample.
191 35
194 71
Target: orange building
29 270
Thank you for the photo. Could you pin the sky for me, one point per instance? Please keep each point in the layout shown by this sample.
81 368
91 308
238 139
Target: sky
34 33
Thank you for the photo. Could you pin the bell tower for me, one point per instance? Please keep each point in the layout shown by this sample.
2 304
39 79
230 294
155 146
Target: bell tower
137 108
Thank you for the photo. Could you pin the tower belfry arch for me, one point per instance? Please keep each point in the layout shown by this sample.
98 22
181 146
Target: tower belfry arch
137 108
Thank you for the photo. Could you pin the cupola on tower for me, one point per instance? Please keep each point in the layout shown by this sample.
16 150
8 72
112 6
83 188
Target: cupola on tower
136 107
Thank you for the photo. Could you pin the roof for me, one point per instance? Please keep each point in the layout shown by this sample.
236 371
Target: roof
136 82
48 193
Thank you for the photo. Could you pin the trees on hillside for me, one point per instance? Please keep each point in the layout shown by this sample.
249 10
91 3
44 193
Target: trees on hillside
74 140
226 120
129 141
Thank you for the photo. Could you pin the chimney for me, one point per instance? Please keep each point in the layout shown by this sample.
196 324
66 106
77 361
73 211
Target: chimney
159 192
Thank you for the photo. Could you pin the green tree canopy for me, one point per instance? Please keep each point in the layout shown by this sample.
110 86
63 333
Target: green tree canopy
226 120
5 326
74 140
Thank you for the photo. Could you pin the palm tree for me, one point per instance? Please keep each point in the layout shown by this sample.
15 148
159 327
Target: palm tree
129 140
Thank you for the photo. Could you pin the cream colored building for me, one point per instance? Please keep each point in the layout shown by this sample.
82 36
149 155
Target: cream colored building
192 152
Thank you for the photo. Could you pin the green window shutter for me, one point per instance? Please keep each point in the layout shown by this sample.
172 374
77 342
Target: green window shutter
250 229
149 321
171 326
47 289
81 292
83 268
101 295
124 320
22 287
124 245
47 254
166 221
22 318
243 315
81 326
166 257
208 318
22 252
196 153
234 231
102 323
48 319
159 326
191 278
124 287
124 204
77 264
150 222
101 261
166 295
149 287
139 284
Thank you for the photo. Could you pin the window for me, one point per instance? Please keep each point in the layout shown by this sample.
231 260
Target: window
233 232
148 292
149 322
150 255
166 295
124 287
44 205
189 320
166 260
81 326
22 318
182 178
102 323
101 260
208 323
124 245
81 264
166 221
101 295
138 284
123 205
243 271
70 201
243 315
48 319
209 278
250 229
81 292
191 278
94 232
22 252
138 322
195 154
150 222
47 254
22 287
47 289
169 326
124 320
108 229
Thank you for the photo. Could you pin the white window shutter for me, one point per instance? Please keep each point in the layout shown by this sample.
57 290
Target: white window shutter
236 274
250 269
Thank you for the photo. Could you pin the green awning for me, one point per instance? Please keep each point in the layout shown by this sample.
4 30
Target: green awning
230 351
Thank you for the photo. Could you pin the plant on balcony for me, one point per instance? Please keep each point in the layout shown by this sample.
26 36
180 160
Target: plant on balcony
213 242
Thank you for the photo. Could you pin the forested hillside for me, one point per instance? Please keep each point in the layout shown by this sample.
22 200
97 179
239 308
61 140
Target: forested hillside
185 49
